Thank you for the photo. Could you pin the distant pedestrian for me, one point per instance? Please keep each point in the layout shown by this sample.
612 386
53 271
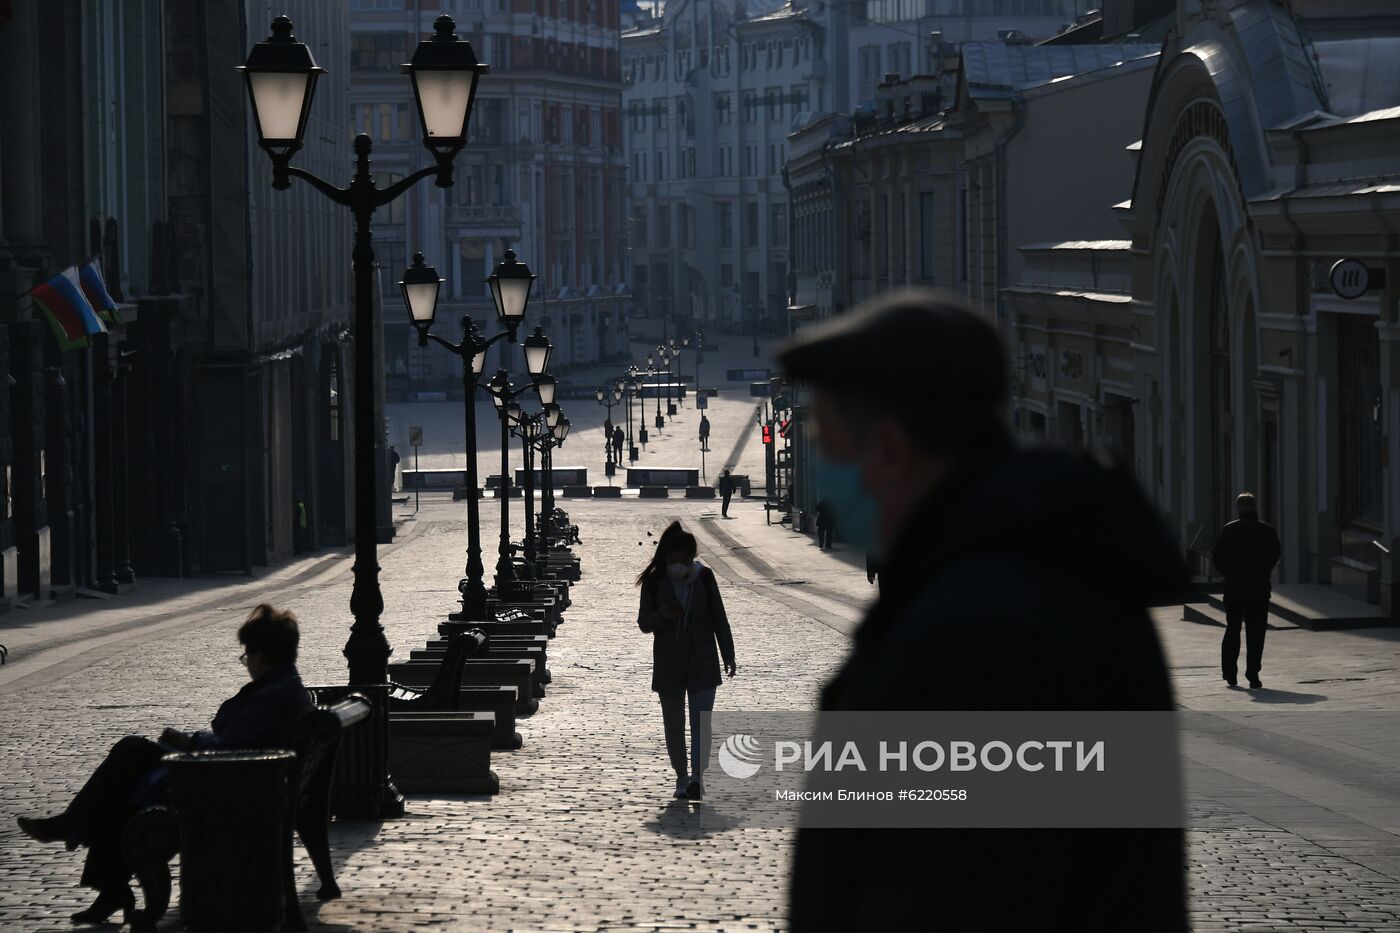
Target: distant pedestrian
393 466
301 527
131 777
826 525
704 433
1245 554
617 440
726 492
682 609
608 439
1014 579
872 568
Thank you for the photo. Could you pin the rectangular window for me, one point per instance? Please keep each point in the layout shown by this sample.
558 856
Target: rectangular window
797 101
750 106
774 97
722 109
663 227
405 129
777 224
386 123
724 220
658 109
751 223
372 51
927 240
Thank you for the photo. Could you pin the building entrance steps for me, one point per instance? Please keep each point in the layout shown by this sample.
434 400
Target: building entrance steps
1316 607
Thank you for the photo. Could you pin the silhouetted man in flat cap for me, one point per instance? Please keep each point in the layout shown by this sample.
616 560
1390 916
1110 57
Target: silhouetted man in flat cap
1245 553
1010 580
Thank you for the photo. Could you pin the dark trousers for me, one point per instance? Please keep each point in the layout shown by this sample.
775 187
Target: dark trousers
673 721
101 809
1253 614
825 534
724 507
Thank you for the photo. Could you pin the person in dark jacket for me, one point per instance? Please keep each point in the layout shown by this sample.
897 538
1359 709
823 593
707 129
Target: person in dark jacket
1245 554
682 608
1010 580
131 777
726 492
826 525
617 440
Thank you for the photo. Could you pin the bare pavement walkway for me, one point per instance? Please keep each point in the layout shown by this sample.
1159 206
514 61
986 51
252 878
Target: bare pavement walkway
1293 799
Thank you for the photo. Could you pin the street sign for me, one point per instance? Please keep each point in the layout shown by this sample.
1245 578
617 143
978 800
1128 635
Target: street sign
748 375
1350 278
701 402
415 436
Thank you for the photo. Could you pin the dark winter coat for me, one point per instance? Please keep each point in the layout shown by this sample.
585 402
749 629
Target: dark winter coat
1245 554
260 715
684 655
1022 584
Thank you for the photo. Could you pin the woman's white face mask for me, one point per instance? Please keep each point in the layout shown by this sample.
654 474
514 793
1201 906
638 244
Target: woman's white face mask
680 570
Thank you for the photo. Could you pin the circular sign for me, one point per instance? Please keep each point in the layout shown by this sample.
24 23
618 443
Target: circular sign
1350 278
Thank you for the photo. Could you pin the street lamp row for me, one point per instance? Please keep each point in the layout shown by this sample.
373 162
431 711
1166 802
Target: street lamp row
281 76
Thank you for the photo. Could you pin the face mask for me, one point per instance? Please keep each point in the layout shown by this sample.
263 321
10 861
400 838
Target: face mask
838 484
680 571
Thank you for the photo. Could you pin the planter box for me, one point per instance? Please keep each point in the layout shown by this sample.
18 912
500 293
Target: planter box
655 492
700 492
442 753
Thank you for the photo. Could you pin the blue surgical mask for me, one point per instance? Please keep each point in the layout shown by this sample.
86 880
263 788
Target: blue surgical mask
838 484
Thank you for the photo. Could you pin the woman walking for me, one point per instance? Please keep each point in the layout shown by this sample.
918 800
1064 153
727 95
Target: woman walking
681 607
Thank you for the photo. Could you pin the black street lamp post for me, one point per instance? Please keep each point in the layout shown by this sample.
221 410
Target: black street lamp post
503 396
656 390
281 78
510 287
630 382
699 358
608 396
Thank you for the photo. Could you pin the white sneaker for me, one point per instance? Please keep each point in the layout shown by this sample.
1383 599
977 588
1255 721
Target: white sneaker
682 783
695 790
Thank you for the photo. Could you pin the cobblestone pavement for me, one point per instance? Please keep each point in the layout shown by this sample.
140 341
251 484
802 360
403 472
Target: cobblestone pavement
583 835
676 445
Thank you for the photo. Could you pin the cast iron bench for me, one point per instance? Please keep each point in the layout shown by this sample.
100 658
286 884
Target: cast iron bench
444 693
151 837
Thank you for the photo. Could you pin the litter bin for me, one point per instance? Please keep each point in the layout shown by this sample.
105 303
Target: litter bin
231 808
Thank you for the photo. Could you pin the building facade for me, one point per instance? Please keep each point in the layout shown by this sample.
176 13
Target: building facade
711 98
194 433
543 173
1269 153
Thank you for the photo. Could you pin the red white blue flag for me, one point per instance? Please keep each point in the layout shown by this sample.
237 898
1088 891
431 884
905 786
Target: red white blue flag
95 290
70 313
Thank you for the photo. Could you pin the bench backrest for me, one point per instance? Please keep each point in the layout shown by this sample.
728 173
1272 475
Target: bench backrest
315 737
444 693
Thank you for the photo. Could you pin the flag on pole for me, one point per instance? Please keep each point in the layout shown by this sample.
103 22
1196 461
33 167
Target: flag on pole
71 315
95 290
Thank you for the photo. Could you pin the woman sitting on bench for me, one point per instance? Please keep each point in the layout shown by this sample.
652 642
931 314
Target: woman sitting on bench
131 778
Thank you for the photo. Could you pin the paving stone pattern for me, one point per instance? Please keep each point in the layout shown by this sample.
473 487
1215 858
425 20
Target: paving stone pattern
584 835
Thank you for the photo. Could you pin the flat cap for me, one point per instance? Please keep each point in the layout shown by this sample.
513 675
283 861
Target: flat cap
913 346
